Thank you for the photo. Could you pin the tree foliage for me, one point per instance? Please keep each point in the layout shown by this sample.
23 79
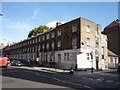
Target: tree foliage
37 30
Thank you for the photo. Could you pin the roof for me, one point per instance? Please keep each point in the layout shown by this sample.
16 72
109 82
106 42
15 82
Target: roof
110 53
115 23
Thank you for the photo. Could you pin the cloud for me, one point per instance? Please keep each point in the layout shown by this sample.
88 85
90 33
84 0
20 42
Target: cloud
53 23
35 13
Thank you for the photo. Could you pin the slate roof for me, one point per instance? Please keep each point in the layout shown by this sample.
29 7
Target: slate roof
115 23
110 53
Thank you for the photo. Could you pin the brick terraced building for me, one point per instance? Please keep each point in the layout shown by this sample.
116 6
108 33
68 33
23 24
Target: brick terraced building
75 44
113 33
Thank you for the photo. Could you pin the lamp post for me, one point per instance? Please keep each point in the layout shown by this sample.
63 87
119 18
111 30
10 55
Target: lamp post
91 53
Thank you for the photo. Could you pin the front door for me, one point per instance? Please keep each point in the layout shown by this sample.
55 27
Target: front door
97 61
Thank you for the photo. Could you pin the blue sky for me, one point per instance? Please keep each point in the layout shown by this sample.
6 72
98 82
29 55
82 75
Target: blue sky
20 17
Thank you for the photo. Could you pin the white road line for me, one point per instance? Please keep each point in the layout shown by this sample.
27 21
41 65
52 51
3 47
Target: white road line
91 78
100 79
58 79
109 81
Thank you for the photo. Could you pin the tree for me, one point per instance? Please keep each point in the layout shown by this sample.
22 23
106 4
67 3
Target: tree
37 30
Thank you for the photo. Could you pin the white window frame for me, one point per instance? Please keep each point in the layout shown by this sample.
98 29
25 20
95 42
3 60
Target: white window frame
59 32
52 45
43 38
59 44
66 57
36 49
39 48
74 28
53 34
48 36
43 46
33 49
88 56
39 39
74 41
88 41
59 57
47 46
88 28
36 40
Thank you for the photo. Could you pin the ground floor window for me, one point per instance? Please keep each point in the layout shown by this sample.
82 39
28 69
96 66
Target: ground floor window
66 56
88 56
59 57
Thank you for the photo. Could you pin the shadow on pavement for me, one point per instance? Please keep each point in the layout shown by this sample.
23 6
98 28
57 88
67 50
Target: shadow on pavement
42 77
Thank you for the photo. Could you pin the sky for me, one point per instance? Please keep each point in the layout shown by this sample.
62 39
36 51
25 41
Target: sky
20 17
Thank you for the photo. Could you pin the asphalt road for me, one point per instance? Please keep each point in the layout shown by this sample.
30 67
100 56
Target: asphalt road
25 78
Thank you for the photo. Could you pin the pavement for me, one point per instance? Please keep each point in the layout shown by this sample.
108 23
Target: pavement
79 72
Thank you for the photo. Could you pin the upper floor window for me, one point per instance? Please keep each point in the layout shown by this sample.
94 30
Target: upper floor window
36 49
48 36
74 28
36 40
43 38
30 41
33 49
52 45
103 50
39 39
53 34
87 28
97 32
39 48
59 44
66 56
88 42
33 40
47 46
74 41
43 46
59 32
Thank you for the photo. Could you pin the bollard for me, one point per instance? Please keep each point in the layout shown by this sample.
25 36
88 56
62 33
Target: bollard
92 70
71 71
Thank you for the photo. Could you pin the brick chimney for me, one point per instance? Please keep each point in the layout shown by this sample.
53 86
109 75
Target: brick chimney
58 24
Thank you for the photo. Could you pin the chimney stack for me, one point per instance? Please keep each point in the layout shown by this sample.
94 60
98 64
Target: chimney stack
58 24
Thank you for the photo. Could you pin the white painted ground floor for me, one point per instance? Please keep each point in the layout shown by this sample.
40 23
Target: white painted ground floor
74 58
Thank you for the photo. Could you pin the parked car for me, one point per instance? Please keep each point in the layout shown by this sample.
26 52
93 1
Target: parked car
16 63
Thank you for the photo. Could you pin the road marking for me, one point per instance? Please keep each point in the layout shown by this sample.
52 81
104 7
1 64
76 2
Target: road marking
63 81
55 78
100 79
109 81
91 78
